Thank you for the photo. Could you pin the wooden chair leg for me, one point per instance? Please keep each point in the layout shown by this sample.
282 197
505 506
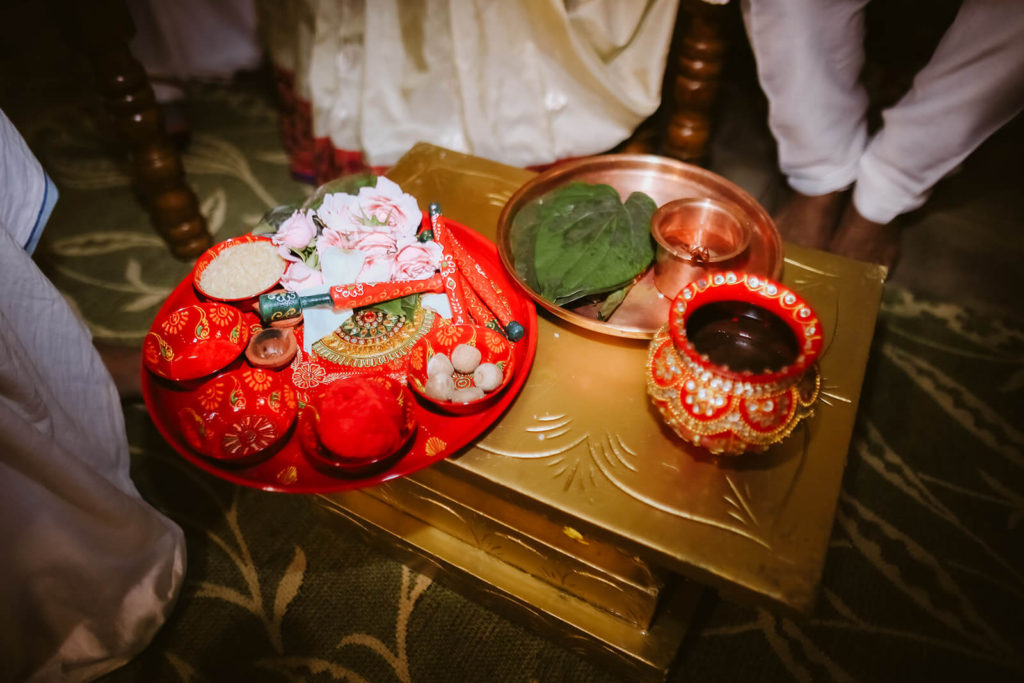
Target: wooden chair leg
702 42
105 30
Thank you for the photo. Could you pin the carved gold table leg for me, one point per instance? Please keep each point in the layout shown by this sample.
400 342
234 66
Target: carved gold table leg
695 84
105 28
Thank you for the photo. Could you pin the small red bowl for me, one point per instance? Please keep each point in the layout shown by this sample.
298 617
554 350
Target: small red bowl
493 346
211 254
195 341
324 459
239 416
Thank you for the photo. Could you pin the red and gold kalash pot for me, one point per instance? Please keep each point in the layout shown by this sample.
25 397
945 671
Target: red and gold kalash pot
734 370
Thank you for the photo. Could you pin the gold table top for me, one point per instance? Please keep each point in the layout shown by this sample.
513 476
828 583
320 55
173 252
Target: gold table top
582 444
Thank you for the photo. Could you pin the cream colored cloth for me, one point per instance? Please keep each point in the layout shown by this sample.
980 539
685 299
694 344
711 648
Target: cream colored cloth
524 83
89 570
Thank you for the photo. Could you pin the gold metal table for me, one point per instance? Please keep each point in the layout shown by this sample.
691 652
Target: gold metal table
581 512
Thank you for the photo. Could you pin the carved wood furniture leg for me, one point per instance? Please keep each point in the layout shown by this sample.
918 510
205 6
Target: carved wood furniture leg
105 29
695 87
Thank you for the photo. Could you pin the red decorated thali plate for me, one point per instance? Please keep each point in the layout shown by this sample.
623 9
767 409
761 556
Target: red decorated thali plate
438 434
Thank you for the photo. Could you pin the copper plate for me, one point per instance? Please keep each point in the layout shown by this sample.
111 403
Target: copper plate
644 309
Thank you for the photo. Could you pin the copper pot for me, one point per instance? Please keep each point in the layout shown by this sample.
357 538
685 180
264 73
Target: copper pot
695 237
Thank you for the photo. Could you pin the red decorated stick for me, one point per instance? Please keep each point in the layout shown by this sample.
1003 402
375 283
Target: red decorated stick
363 294
450 275
475 278
277 306
484 286
477 308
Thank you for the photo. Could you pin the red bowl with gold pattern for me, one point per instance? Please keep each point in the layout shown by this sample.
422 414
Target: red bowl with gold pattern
494 348
734 370
195 341
245 273
240 416
354 425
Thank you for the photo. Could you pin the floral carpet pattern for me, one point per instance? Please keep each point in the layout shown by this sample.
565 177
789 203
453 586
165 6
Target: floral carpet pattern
925 574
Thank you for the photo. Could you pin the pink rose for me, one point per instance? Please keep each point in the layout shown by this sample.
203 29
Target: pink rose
299 276
297 231
332 238
384 208
417 261
375 244
381 250
335 212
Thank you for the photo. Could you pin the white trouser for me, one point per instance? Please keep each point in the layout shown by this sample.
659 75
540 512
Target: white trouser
809 56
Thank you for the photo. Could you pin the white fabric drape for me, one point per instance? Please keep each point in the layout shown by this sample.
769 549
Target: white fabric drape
89 570
524 83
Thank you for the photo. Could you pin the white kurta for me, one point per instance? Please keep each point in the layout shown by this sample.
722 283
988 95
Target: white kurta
89 570
809 55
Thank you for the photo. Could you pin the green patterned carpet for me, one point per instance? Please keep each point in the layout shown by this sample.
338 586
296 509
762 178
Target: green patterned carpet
925 574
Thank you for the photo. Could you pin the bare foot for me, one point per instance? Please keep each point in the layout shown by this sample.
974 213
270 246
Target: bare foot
809 220
125 366
864 240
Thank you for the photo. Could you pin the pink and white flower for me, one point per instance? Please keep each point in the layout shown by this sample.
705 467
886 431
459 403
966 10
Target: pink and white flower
379 222
417 261
296 232
376 244
299 276
381 209
334 238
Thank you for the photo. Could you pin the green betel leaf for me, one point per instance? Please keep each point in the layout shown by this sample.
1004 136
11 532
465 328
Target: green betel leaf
523 240
612 302
581 239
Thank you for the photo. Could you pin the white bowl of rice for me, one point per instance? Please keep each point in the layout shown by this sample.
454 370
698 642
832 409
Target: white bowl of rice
238 268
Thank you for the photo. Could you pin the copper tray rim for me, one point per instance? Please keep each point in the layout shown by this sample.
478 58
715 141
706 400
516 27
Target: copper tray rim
566 171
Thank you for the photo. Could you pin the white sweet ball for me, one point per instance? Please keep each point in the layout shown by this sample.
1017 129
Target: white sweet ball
439 364
465 358
467 395
440 387
488 376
